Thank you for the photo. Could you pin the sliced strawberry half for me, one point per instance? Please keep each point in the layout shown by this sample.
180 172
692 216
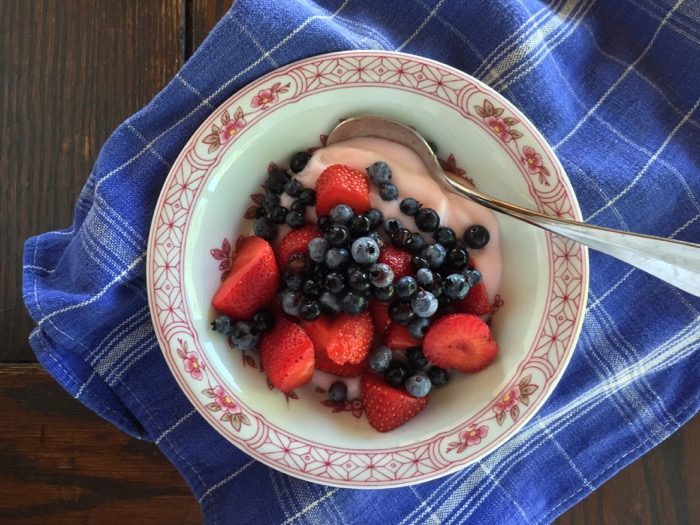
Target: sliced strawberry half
398 260
380 315
287 355
476 302
346 339
296 241
326 364
397 337
460 341
340 184
252 282
387 407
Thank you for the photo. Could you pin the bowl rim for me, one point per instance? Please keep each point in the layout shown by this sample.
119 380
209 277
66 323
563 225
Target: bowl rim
453 466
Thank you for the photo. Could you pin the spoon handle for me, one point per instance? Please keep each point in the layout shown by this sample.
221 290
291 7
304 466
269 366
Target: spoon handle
675 262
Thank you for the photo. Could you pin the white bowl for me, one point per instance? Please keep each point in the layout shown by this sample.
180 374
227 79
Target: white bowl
200 213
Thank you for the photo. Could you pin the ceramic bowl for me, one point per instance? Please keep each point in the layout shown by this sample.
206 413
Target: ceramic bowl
200 214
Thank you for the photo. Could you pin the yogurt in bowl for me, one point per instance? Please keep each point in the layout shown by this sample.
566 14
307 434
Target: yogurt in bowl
198 218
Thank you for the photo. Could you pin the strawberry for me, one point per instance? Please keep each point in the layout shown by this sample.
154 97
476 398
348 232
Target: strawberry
380 315
398 260
476 302
397 337
344 340
325 364
296 241
339 184
387 407
252 282
460 341
287 355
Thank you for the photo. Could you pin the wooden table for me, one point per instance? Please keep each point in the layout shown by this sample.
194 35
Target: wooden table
70 72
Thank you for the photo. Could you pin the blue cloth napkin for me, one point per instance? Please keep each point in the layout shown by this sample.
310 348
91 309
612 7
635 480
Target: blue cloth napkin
615 88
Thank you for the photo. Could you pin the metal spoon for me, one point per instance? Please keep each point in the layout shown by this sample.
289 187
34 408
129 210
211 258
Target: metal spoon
675 262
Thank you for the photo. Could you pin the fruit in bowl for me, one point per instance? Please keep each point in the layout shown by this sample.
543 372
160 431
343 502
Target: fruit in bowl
347 273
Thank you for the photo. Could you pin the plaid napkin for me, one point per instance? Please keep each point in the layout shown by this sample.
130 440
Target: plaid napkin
615 88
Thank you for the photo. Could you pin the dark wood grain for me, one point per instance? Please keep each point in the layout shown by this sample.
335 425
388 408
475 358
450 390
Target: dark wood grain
60 463
71 71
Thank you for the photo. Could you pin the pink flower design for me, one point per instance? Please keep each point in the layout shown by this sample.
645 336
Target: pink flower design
193 366
499 127
225 401
508 401
532 160
230 129
474 436
264 98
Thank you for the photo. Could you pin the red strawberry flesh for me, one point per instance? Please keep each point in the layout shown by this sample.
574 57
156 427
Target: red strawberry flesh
339 184
287 355
387 407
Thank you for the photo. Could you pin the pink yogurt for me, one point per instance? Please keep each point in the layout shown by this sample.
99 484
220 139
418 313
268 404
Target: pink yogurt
412 179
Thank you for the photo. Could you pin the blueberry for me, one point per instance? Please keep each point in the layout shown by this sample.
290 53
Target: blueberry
293 281
359 226
410 206
402 238
317 249
244 335
357 280
378 238
298 206
298 263
424 304
416 357
365 250
222 324
337 257
299 161
338 392
396 373
388 192
375 217
392 225
311 289
278 214
276 181
291 302
438 376
330 304
400 312
445 236
458 258
406 287
419 262
418 326
380 359
265 228
424 277
379 173
294 219
264 320
381 275
310 310
342 214
418 385
260 212
324 223
456 286
427 220
417 243
353 303
293 188
435 255
337 235
270 200
334 282
476 236
444 300
308 196
384 294
473 276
